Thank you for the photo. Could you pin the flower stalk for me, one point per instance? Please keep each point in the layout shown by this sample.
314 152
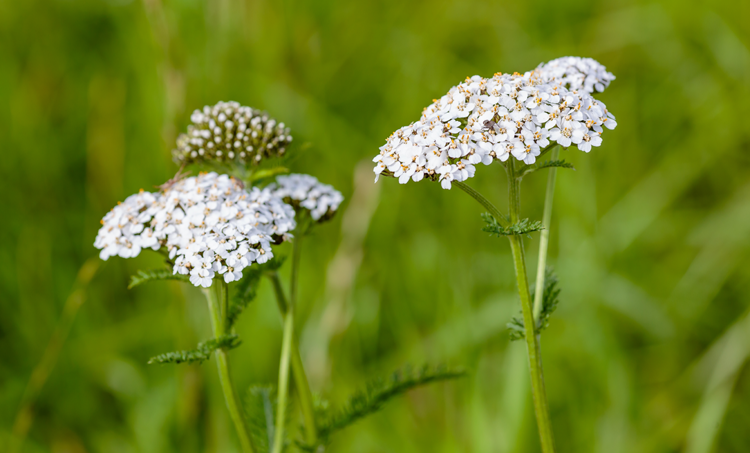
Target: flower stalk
501 219
539 393
286 347
217 296
298 369
544 236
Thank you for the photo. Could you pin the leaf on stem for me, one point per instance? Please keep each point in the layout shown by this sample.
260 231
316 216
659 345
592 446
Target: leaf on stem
260 409
268 173
378 392
524 227
246 288
555 163
142 277
516 329
546 164
199 354
550 299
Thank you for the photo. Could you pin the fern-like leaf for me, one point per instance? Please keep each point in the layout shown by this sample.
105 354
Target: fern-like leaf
199 354
268 173
245 292
516 329
546 164
378 392
246 289
550 300
260 408
524 227
142 277
555 163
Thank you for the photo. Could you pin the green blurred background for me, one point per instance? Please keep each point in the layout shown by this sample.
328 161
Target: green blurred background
648 349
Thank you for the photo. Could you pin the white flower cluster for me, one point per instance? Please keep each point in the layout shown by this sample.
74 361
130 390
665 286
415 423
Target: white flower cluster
305 191
577 74
209 224
487 119
228 131
126 228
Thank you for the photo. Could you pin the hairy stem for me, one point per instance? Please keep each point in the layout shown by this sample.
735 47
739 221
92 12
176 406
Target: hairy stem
544 239
217 307
539 393
298 369
286 346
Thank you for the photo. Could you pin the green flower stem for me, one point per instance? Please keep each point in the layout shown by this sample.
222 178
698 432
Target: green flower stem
217 306
539 393
286 346
298 369
296 250
501 219
544 239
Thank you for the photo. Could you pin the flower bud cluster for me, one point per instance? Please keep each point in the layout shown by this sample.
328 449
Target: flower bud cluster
577 74
486 119
229 132
208 224
306 192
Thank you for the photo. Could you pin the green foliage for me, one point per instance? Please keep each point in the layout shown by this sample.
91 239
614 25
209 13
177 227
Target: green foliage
546 164
201 353
260 409
378 392
555 163
516 329
265 174
142 277
524 227
246 289
550 299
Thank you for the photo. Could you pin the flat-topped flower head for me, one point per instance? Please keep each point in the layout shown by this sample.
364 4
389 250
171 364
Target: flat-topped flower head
208 224
486 119
577 74
306 192
229 132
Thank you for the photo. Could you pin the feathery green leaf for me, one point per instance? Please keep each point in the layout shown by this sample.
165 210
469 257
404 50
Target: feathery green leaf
201 353
246 289
546 164
260 409
524 227
142 277
516 329
267 173
550 299
555 163
378 392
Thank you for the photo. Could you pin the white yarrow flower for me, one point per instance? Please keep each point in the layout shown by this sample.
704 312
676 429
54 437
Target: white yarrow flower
124 230
209 224
306 192
577 74
486 119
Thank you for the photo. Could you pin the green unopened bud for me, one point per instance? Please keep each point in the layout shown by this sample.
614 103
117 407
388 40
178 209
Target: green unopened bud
229 132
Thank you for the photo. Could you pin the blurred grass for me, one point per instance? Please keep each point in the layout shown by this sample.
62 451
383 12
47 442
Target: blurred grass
647 352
